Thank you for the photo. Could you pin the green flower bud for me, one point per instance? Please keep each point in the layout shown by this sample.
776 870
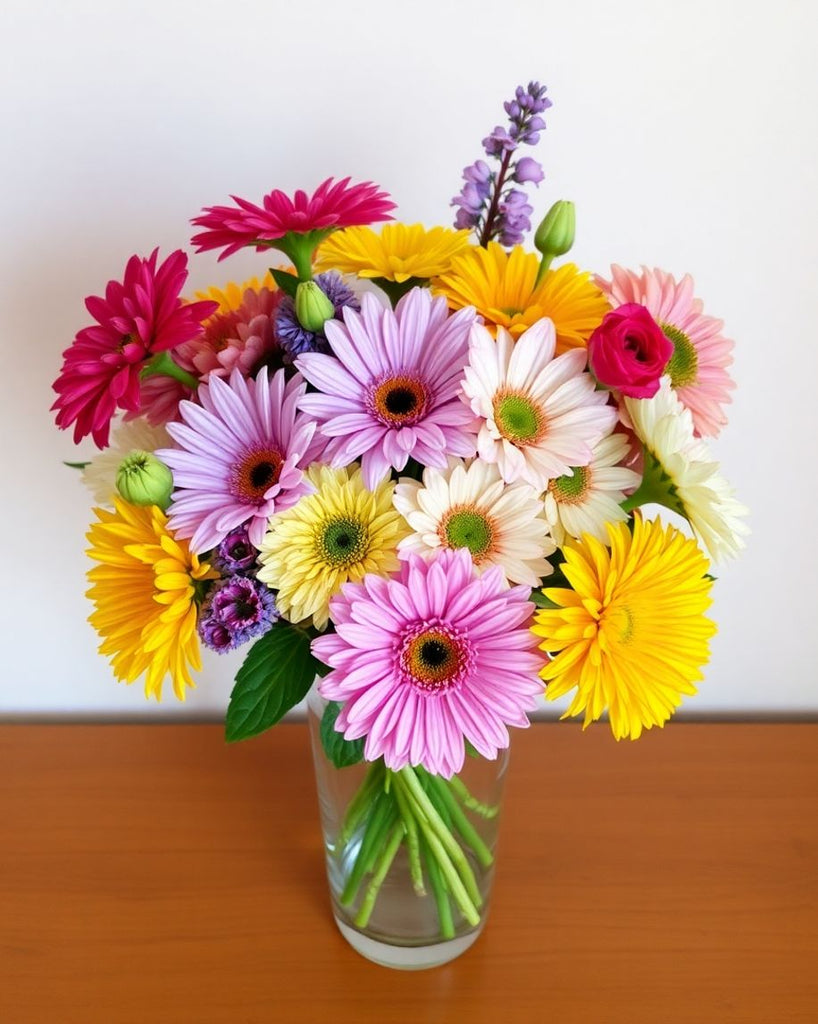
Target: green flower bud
555 235
312 307
142 479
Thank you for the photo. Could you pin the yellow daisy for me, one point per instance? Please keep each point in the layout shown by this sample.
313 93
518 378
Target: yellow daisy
144 589
338 534
399 253
631 635
502 286
231 296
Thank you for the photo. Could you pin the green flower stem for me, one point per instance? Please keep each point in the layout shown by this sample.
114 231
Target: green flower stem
545 264
163 364
461 822
378 824
360 803
412 842
465 797
395 290
381 868
444 909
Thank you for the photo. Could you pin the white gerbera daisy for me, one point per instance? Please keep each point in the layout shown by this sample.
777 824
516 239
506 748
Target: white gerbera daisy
541 416
585 500
470 506
680 474
130 436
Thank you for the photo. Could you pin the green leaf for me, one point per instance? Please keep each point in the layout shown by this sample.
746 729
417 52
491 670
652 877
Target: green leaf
343 753
277 673
76 465
286 282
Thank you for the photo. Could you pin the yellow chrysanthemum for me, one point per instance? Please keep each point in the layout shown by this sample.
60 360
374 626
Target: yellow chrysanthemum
144 590
502 287
338 534
400 252
631 635
231 296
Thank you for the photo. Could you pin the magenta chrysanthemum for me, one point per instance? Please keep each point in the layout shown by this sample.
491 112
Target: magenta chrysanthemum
701 354
240 458
338 205
138 317
391 389
430 658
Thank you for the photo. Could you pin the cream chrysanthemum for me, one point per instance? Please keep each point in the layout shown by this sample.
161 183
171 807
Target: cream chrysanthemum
585 500
680 474
541 415
336 535
472 507
144 589
630 634
399 252
99 475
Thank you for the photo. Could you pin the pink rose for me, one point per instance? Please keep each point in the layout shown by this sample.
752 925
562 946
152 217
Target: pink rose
629 351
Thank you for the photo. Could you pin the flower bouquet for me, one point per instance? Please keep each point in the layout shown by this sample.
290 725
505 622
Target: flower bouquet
410 463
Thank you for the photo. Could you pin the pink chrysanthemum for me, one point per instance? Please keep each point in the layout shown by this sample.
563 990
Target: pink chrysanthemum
430 658
391 389
240 458
331 206
698 366
138 317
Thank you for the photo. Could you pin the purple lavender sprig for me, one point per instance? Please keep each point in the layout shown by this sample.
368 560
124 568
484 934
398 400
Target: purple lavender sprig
488 202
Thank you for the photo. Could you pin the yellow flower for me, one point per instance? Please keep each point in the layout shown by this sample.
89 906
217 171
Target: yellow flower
231 297
631 635
338 534
144 590
502 287
398 253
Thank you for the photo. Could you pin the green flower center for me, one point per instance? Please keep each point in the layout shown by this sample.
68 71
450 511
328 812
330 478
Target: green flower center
518 419
570 490
684 362
465 528
343 541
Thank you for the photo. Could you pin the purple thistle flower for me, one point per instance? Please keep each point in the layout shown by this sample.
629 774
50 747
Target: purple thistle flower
236 610
235 554
294 338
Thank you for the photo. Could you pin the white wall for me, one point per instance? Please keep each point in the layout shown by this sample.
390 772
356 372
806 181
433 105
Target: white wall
684 131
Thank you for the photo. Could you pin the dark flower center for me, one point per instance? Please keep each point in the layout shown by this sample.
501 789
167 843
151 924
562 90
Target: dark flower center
399 401
256 473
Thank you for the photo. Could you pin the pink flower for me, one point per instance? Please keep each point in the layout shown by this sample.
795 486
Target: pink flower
701 355
629 351
430 658
138 317
338 205
391 389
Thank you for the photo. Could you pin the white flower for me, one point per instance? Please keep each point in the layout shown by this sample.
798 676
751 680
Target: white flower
130 436
592 495
471 506
541 415
680 474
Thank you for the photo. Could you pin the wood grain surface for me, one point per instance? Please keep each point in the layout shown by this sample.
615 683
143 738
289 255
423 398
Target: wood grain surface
150 873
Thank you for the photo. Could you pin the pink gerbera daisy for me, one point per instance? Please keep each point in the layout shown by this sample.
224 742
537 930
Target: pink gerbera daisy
701 355
430 658
240 458
331 206
138 317
391 388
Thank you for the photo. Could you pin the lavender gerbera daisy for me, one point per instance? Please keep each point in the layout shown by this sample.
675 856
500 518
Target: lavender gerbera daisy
292 336
430 658
236 610
391 389
240 458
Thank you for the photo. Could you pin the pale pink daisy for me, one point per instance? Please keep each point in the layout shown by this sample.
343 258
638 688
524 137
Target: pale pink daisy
429 659
241 457
698 366
391 389
540 415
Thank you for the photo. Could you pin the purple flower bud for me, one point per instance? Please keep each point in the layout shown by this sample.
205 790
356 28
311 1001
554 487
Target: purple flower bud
464 219
235 554
479 172
528 169
499 142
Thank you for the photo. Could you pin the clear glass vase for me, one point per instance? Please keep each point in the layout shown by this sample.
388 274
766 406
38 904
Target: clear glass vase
410 856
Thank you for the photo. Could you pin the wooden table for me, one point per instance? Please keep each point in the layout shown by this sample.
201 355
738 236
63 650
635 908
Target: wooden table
150 873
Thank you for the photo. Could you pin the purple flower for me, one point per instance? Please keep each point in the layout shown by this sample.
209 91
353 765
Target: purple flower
236 610
513 220
528 169
294 338
499 142
235 554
